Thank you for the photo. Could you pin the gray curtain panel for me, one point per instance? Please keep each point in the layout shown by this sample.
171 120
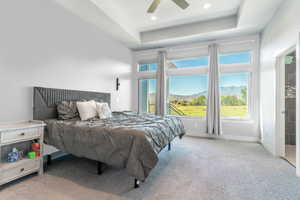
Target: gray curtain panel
161 84
213 124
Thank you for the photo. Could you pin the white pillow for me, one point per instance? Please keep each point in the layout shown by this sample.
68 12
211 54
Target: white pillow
87 109
103 110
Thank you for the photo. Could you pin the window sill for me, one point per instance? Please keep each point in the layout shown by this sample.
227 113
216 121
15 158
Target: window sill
241 120
237 118
188 117
222 119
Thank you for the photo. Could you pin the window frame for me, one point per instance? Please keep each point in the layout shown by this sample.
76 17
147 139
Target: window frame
173 72
234 52
187 116
139 93
150 63
228 46
240 68
190 58
249 99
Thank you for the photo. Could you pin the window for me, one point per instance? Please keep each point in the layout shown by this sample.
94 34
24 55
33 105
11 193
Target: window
187 95
234 94
147 95
147 67
235 58
188 63
187 80
174 64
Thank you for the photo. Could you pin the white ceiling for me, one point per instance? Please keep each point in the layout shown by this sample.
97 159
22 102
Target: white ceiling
129 22
168 13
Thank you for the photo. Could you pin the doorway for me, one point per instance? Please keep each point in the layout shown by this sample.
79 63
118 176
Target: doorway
286 105
290 107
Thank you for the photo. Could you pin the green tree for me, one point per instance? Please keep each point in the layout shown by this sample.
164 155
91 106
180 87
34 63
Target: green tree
244 95
202 100
229 101
232 101
198 101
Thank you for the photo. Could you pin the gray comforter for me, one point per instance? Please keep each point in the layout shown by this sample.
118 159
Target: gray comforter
126 140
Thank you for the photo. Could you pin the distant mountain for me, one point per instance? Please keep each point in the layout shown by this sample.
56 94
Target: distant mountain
226 91
232 91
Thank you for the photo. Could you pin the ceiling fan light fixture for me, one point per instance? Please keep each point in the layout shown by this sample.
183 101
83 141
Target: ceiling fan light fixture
207 6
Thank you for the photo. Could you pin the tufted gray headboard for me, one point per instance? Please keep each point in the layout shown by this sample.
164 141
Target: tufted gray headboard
45 100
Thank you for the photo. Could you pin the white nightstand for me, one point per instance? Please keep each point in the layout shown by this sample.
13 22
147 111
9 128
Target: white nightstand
20 135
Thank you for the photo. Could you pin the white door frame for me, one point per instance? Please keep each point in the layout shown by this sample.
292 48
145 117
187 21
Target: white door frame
280 104
298 106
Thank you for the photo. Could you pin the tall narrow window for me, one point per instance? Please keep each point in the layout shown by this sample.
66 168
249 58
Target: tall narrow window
187 95
147 94
234 94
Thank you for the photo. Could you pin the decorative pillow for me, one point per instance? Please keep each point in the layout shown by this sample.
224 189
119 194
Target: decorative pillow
103 110
67 110
87 110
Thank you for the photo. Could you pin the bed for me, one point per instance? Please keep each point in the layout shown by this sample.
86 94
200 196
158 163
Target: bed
126 140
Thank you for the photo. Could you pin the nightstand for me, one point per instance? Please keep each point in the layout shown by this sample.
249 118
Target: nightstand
20 135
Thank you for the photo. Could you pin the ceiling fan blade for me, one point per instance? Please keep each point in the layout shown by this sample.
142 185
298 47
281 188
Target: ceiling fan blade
181 3
153 6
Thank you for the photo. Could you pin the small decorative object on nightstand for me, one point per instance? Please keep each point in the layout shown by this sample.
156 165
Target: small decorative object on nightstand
19 138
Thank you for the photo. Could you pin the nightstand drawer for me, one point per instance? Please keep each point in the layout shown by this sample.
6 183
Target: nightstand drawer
19 169
20 135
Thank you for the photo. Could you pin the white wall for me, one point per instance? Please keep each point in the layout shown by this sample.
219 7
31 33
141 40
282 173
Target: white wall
42 44
280 34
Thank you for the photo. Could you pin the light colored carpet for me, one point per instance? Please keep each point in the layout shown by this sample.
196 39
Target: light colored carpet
195 169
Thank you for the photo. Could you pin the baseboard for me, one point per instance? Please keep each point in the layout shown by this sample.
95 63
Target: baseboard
228 137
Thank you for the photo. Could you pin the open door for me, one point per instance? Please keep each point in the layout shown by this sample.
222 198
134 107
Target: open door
283 97
280 106
286 105
298 107
289 109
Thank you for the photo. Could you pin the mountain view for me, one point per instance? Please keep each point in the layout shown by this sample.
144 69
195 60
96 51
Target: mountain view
188 94
225 91
233 102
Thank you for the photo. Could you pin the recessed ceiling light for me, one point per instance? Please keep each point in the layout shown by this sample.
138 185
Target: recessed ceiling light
207 6
153 18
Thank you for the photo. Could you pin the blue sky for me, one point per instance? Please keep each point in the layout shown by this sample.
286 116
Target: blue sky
188 85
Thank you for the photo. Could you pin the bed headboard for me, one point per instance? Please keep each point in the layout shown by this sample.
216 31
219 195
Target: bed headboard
45 100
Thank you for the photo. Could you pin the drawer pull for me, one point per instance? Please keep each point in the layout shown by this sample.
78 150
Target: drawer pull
22 170
22 134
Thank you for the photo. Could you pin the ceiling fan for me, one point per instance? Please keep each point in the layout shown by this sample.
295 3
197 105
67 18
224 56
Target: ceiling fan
181 3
